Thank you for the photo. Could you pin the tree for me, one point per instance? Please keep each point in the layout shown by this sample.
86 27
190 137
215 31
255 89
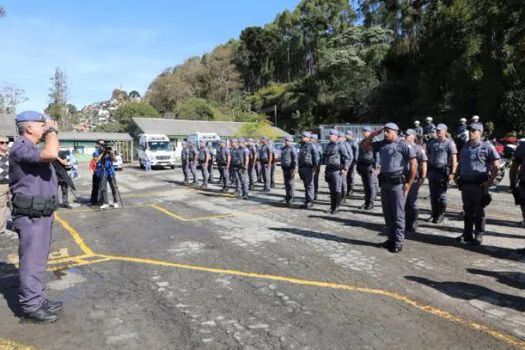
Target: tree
119 95
257 130
134 95
2 11
58 99
110 127
130 110
195 109
10 97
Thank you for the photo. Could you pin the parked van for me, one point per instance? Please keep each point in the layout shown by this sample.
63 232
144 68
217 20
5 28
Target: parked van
158 149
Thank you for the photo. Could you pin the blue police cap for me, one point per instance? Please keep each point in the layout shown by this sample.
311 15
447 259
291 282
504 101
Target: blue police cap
349 133
392 126
306 134
242 140
367 128
315 137
411 132
334 132
441 127
264 138
235 140
288 138
31 116
476 126
341 134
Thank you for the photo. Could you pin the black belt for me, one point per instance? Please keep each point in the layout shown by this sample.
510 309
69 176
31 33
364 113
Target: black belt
33 206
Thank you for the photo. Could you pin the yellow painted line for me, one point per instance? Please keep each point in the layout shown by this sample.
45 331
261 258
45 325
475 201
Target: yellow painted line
83 210
75 235
6 344
167 212
77 263
392 295
66 259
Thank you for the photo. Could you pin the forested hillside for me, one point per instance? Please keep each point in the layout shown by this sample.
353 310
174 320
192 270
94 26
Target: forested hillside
366 60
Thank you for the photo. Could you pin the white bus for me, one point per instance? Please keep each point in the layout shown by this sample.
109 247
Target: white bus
158 149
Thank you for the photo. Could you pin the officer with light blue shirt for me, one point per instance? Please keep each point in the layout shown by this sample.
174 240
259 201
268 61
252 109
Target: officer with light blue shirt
337 163
366 163
442 163
350 177
266 160
478 167
317 170
33 184
240 157
223 159
308 162
342 140
394 155
289 164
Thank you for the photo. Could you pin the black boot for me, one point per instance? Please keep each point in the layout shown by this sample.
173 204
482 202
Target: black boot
369 206
337 198
41 315
332 204
441 213
416 216
53 306
480 231
467 230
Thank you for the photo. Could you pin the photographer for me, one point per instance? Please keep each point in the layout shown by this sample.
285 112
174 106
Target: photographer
104 173
65 164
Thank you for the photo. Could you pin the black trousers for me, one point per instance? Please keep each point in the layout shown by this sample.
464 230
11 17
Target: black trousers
94 190
104 189
64 188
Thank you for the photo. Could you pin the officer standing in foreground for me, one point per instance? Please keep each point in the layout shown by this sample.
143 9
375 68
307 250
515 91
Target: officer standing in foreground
223 164
337 164
252 166
308 162
517 179
479 163
411 206
266 159
442 155
34 187
317 169
289 164
342 140
240 160
417 128
184 157
365 168
204 159
350 177
394 156
192 162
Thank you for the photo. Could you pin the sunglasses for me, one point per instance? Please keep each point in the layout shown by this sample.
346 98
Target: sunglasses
4 142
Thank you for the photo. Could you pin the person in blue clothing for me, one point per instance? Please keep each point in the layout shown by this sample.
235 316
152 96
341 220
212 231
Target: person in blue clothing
148 164
105 172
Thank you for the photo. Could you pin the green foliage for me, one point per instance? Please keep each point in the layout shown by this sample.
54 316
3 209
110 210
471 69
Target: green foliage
257 130
127 111
111 127
195 109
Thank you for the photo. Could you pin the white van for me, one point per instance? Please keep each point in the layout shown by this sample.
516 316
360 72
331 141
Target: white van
158 149
204 136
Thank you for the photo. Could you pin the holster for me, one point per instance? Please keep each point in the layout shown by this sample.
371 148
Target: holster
393 179
33 206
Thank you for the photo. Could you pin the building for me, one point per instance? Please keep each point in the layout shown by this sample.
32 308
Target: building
84 143
178 129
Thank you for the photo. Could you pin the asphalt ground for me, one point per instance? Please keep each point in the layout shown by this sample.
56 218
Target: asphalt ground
182 268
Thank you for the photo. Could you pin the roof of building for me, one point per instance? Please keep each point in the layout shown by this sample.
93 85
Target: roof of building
94 136
7 125
172 127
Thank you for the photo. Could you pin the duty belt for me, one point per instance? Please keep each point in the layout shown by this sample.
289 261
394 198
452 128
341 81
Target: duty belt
33 206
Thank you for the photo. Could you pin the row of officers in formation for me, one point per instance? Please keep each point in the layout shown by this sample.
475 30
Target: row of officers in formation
394 167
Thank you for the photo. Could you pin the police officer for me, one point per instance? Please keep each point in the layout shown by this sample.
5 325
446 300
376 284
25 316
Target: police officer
258 168
342 140
337 164
461 134
223 164
184 157
442 163
240 159
366 163
273 164
192 161
411 206
478 167
33 184
63 163
429 126
394 155
474 119
252 166
317 170
517 178
211 151
417 128
204 159
266 159
308 162
350 177
289 164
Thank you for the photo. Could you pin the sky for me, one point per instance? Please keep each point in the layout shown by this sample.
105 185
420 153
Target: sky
103 45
